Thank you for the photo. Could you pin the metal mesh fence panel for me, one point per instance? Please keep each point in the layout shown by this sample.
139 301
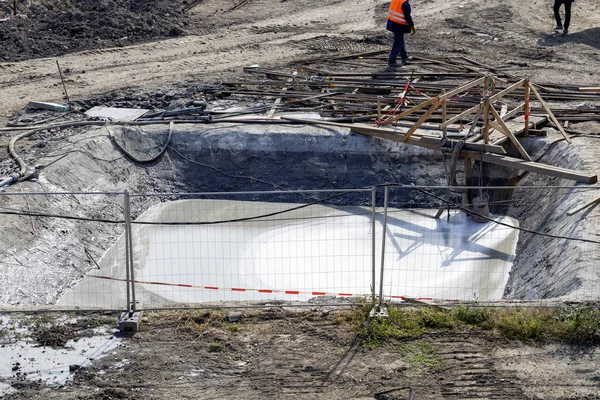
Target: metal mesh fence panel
527 244
54 244
245 248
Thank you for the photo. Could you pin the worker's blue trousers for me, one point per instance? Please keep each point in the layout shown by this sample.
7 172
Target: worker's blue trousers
399 47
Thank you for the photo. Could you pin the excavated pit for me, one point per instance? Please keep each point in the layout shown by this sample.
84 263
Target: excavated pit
232 158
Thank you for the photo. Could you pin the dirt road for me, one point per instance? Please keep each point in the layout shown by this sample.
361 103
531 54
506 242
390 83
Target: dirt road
514 34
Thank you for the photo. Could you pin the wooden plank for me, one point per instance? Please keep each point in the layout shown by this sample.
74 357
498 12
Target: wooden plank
550 114
426 142
408 112
590 89
275 105
533 166
443 97
504 129
517 128
421 120
506 91
513 112
501 126
459 116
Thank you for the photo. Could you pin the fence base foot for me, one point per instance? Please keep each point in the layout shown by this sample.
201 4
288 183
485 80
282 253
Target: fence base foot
379 312
130 322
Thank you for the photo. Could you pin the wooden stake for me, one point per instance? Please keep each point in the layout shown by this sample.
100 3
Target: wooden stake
527 107
63 83
444 128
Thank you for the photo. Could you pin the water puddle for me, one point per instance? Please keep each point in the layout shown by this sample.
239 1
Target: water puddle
23 359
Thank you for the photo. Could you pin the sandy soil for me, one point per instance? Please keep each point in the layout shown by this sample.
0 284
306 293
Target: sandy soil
274 33
274 356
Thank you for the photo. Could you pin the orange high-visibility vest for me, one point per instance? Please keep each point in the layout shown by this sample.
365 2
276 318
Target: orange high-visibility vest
396 14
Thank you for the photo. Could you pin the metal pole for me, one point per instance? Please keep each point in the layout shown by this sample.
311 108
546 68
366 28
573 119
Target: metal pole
385 214
131 264
64 86
373 227
127 228
15 7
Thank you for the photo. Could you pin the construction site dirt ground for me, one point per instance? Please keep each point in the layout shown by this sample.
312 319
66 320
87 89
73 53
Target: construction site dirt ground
279 353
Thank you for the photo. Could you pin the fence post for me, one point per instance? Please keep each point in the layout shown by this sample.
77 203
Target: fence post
127 246
385 215
373 239
129 243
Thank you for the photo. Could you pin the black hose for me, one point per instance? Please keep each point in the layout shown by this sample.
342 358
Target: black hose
147 160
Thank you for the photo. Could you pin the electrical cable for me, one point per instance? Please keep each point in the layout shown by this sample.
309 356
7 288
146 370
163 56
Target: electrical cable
245 219
460 207
145 160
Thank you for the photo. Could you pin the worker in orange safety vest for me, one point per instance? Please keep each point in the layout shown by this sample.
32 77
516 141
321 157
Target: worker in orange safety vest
399 22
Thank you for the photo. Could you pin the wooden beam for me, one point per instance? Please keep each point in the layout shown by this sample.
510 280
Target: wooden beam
532 166
443 97
513 112
459 116
504 129
421 120
444 128
550 114
526 106
590 89
427 141
517 128
508 90
410 111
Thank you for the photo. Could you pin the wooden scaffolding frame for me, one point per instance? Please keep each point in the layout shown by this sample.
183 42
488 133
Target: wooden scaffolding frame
493 120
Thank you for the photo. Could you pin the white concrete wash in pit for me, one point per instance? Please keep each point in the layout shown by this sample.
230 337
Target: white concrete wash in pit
314 249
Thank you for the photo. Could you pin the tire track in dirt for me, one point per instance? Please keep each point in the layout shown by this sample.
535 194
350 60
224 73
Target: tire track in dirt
470 372
223 52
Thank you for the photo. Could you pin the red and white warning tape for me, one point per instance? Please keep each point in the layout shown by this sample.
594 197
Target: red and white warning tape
234 289
347 295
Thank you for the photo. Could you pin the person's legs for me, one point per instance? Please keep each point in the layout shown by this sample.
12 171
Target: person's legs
567 14
403 53
557 4
397 48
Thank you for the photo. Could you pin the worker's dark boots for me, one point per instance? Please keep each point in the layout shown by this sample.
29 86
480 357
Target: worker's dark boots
392 66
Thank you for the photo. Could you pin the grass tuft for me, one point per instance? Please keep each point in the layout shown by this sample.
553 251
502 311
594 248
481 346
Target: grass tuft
570 325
